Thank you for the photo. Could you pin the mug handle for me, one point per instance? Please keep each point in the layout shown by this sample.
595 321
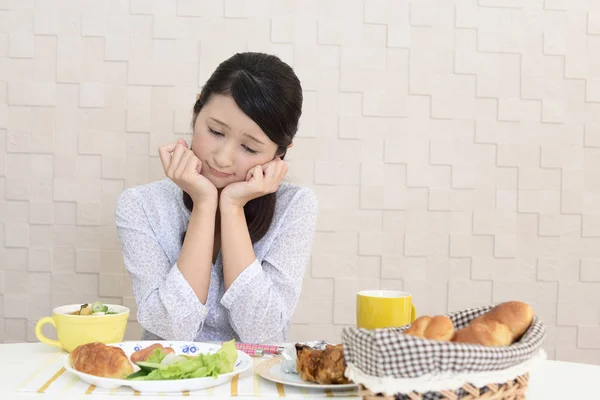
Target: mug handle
40 335
413 315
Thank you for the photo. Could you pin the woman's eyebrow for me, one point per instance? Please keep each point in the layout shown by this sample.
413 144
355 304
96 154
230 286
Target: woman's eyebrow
219 122
227 126
253 138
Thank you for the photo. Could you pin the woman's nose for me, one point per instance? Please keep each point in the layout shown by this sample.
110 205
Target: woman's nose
224 156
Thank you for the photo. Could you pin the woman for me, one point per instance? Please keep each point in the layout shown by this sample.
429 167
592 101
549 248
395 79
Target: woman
219 249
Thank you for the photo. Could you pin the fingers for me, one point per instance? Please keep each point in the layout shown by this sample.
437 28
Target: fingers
249 174
165 155
180 169
193 165
280 174
274 172
165 151
256 175
270 164
282 169
175 159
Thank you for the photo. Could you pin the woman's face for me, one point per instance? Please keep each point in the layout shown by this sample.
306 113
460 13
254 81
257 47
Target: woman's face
228 142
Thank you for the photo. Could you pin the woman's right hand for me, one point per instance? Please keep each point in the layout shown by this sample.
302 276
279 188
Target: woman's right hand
183 167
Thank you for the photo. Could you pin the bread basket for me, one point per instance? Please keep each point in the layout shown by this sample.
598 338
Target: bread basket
388 364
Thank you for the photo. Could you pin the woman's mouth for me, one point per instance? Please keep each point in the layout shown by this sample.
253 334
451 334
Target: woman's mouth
218 173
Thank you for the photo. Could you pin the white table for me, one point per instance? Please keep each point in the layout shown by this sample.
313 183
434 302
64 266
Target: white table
553 380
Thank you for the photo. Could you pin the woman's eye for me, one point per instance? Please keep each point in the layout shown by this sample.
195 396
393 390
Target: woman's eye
249 150
215 132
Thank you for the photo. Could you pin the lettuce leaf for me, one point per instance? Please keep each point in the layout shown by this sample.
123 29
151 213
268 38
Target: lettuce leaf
156 356
227 356
201 366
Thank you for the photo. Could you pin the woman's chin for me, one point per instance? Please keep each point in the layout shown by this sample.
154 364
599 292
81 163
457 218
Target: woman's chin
220 183
217 182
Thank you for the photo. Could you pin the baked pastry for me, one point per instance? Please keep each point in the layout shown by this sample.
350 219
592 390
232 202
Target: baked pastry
101 360
503 325
439 327
332 366
325 366
307 361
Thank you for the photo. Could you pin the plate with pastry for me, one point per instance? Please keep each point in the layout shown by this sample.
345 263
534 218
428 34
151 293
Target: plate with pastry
321 368
157 366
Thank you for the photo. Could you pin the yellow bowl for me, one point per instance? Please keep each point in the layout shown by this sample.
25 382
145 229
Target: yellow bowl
75 330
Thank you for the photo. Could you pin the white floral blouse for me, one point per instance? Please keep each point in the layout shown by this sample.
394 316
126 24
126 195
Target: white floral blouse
257 307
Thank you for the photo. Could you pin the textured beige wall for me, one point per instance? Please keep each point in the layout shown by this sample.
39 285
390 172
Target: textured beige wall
454 147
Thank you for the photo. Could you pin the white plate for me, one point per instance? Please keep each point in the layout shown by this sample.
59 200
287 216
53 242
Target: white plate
242 363
272 370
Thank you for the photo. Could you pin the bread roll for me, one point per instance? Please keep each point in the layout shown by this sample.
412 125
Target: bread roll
439 327
101 360
503 325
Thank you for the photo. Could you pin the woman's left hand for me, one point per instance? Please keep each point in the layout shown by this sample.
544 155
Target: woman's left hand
260 181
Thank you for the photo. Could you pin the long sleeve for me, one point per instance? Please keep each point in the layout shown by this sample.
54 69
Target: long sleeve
262 299
167 305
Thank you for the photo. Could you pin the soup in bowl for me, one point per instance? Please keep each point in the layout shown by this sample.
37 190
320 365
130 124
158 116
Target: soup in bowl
78 324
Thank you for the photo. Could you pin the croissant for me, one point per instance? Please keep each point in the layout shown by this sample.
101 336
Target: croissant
101 360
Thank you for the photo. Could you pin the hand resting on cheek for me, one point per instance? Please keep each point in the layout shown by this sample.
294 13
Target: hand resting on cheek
260 180
183 167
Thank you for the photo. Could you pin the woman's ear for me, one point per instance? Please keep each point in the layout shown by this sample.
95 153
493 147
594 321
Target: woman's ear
280 155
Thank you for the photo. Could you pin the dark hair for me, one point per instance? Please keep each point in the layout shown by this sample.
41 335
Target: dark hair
268 91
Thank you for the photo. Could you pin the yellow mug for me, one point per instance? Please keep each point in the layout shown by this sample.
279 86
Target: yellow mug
376 309
74 330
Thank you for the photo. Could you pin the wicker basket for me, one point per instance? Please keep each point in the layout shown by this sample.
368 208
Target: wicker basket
393 363
511 390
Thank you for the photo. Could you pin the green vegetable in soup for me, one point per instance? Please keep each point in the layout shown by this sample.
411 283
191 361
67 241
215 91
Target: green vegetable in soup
97 307
94 309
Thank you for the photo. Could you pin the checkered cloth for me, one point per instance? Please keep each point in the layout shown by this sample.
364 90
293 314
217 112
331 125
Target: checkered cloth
388 353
